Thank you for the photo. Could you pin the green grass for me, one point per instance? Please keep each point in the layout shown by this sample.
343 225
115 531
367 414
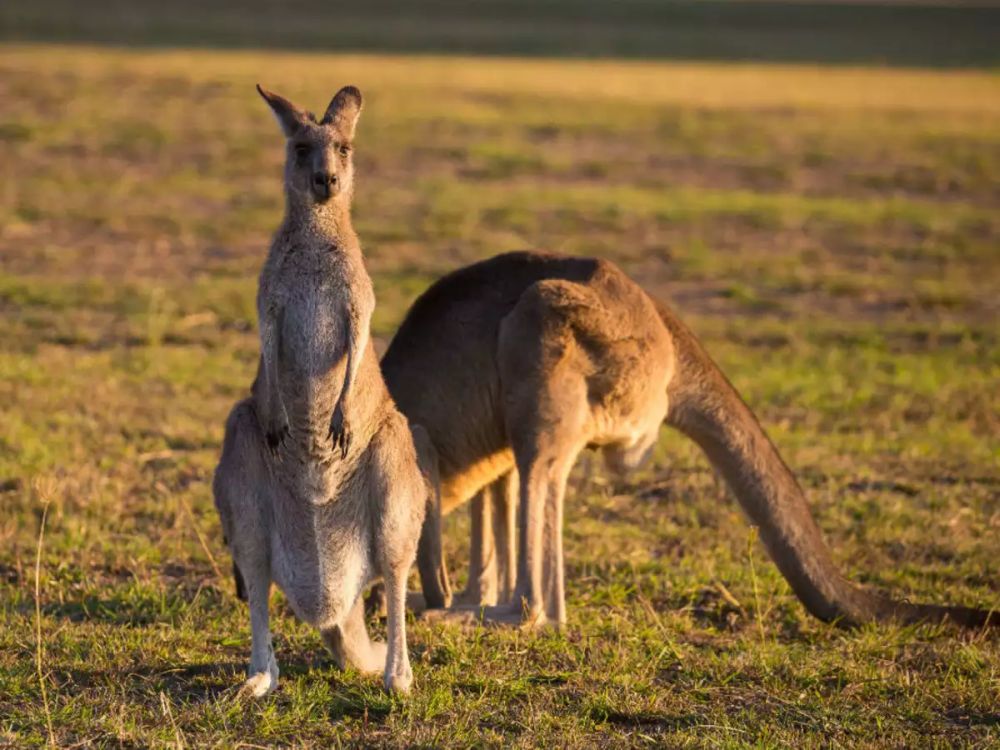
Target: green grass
830 233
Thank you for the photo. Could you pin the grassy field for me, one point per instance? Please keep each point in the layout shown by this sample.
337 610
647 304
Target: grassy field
832 234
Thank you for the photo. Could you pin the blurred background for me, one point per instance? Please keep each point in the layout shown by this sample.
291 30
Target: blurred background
894 32
814 186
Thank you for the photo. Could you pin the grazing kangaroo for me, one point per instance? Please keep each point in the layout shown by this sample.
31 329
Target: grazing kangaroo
319 487
517 363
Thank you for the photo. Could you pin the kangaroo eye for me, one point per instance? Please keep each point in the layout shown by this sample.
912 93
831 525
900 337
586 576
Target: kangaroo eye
301 150
344 149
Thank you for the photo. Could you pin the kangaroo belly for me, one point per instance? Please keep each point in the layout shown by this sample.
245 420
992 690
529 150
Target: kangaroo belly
460 485
320 559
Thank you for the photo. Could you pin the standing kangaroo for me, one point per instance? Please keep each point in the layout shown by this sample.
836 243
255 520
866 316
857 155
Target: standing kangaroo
517 363
319 487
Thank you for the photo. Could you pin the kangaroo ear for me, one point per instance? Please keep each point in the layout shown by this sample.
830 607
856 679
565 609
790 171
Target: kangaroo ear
289 117
343 111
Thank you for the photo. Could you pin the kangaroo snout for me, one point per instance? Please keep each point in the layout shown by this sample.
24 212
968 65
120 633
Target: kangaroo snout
323 185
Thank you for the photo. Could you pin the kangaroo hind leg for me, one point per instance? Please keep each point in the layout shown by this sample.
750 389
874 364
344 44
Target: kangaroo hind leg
504 502
263 670
351 645
548 421
539 596
481 587
241 492
430 555
492 566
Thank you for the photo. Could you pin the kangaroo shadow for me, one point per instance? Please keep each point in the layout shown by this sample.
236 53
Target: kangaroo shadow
208 682
211 679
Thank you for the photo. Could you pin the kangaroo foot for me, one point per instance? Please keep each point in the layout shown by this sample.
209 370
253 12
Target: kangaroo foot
372 660
262 682
473 597
503 616
399 680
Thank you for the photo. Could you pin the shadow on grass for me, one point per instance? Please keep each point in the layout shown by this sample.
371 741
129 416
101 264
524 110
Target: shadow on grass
132 606
352 696
972 719
603 713
920 34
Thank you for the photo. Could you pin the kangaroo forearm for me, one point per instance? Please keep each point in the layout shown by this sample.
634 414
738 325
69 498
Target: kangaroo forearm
270 395
357 340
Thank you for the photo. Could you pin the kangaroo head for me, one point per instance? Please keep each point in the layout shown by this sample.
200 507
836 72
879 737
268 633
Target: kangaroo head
318 164
622 458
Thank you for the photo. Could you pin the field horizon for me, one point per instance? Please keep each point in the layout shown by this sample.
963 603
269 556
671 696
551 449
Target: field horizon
904 33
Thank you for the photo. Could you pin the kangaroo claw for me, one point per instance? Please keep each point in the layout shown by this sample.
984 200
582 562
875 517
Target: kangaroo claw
340 433
341 439
275 437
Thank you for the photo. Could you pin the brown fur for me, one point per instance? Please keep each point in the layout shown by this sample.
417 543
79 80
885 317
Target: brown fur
522 360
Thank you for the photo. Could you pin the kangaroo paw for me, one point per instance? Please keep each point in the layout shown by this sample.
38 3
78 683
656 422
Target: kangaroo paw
262 682
275 438
259 685
399 680
340 431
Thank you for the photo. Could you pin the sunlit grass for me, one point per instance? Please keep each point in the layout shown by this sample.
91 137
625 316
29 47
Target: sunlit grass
829 233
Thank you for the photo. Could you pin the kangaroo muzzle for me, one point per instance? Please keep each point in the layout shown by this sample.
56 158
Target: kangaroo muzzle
323 186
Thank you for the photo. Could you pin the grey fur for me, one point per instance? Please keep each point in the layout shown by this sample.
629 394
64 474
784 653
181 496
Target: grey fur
319 488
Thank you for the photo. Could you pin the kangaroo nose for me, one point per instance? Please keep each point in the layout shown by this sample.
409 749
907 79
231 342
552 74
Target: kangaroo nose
323 184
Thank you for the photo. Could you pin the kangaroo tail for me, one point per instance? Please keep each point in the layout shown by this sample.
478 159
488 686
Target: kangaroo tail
706 407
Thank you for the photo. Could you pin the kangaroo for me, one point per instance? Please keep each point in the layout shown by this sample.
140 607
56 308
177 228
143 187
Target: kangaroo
516 363
321 486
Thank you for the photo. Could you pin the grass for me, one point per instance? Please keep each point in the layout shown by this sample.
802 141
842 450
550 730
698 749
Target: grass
830 233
